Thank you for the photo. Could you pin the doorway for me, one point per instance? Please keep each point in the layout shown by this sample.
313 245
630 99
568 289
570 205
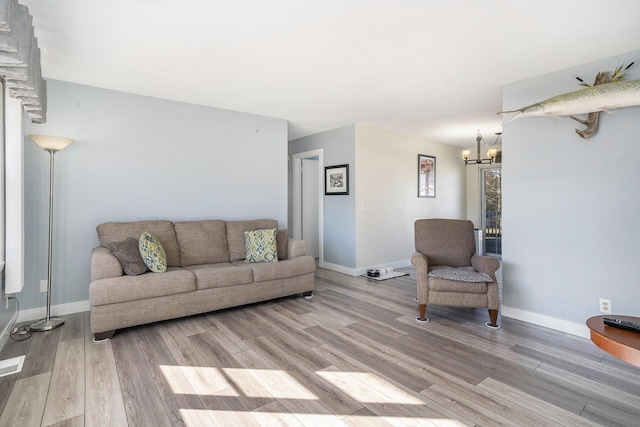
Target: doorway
491 183
308 201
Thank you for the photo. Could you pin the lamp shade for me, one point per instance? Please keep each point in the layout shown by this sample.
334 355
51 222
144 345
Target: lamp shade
48 142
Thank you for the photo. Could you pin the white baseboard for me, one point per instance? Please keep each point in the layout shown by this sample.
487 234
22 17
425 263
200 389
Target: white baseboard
360 271
7 330
572 328
56 310
339 268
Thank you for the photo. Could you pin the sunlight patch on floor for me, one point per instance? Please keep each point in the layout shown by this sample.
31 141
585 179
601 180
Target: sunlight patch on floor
368 388
199 417
228 381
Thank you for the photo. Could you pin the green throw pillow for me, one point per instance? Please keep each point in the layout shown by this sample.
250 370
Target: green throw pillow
260 246
152 253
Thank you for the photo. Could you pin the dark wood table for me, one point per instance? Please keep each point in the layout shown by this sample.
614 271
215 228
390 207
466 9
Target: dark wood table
623 344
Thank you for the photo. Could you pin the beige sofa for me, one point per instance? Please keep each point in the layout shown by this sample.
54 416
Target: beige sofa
205 272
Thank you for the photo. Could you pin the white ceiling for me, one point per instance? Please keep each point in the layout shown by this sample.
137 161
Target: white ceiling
430 68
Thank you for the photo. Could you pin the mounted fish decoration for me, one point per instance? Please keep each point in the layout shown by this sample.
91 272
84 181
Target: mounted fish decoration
601 78
617 93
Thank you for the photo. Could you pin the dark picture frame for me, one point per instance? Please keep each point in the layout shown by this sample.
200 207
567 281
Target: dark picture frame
426 176
336 180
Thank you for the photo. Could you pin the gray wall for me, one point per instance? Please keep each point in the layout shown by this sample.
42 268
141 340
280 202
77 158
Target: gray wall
387 202
137 158
571 206
339 216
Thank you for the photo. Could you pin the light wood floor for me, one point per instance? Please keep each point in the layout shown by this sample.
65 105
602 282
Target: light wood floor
353 355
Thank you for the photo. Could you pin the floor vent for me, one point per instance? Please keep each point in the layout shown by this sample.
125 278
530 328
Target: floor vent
11 366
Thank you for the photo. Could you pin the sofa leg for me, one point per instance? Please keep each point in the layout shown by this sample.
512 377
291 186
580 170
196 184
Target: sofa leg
493 319
103 336
308 294
423 311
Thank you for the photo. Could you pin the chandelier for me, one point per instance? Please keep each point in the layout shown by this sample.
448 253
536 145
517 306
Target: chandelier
491 154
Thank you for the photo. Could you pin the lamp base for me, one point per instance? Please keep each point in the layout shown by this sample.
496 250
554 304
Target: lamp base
46 325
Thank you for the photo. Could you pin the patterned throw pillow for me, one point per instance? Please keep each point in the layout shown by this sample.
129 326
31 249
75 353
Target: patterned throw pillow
260 246
152 253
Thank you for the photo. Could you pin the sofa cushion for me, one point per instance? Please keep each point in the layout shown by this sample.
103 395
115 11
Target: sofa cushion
263 272
235 235
110 232
149 285
152 253
282 240
260 246
220 275
128 253
202 242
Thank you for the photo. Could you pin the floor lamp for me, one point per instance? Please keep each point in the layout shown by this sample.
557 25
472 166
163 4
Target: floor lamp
52 144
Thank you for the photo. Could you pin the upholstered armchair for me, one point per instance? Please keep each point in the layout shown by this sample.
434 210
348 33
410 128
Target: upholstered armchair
448 270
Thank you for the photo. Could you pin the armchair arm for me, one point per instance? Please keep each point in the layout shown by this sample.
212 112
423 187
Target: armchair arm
488 265
421 262
296 248
104 265
485 264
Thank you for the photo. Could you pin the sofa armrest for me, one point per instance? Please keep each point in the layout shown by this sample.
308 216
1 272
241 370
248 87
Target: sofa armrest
104 265
296 248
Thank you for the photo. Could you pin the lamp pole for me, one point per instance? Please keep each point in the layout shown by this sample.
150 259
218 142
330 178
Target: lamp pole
52 145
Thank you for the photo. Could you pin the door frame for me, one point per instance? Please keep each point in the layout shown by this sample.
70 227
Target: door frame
297 197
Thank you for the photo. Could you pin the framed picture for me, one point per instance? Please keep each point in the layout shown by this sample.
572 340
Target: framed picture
336 180
426 176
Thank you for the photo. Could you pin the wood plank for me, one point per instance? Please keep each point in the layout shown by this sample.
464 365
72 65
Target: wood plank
22 411
204 380
552 412
274 414
66 392
228 411
104 402
607 416
73 327
365 418
142 402
38 360
190 325
240 384
599 391
290 393
226 337
469 394
72 422
326 393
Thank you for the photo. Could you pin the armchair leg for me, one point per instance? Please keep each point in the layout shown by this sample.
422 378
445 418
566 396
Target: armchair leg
423 311
493 319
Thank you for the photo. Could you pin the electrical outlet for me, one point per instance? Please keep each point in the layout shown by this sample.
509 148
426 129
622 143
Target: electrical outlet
43 286
605 306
